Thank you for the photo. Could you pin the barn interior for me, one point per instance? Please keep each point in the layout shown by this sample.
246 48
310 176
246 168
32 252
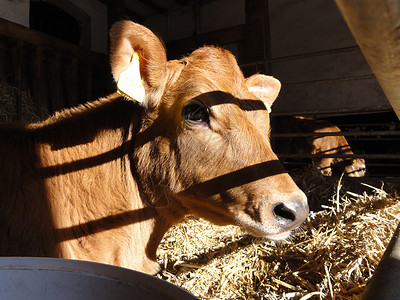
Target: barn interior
306 44
54 54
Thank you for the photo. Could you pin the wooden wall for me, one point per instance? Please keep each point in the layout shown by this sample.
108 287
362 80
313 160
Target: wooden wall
318 61
57 74
305 44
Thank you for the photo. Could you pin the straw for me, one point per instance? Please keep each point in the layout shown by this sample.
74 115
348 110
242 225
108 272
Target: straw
8 100
332 256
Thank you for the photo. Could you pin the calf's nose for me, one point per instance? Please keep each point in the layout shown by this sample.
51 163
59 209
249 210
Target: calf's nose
289 215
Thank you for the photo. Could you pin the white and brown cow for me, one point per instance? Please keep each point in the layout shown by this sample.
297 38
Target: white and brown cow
104 181
330 144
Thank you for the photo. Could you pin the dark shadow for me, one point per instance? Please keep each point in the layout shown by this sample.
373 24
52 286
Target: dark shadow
106 223
240 177
291 124
83 124
338 150
212 253
52 20
26 221
89 162
218 97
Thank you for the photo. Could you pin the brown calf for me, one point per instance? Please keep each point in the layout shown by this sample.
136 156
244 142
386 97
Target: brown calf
104 181
317 145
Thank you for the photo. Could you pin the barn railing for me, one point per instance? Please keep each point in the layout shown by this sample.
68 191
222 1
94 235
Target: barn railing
57 74
320 134
373 135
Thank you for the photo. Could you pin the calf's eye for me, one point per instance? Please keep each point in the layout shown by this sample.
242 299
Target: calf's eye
196 114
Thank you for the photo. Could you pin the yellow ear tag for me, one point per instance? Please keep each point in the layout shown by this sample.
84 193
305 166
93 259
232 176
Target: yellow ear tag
130 83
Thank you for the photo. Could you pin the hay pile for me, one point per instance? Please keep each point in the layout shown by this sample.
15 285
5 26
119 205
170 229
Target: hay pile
332 257
8 99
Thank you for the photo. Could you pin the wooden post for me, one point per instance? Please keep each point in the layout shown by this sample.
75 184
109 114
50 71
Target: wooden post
89 82
116 11
37 78
255 37
374 24
74 82
17 58
57 81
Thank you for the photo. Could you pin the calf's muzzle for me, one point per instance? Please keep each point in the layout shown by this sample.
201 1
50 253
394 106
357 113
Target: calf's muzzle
291 214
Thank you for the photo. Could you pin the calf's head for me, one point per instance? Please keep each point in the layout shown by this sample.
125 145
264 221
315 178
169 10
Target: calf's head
203 141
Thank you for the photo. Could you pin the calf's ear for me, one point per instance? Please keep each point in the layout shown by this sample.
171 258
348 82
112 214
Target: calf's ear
264 87
138 62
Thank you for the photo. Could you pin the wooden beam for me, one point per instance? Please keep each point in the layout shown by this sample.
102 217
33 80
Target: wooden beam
135 16
17 32
153 5
178 48
374 25
37 63
255 32
17 63
182 2
116 11
267 38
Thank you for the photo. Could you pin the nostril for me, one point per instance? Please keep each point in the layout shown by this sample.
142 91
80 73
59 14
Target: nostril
284 212
290 214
